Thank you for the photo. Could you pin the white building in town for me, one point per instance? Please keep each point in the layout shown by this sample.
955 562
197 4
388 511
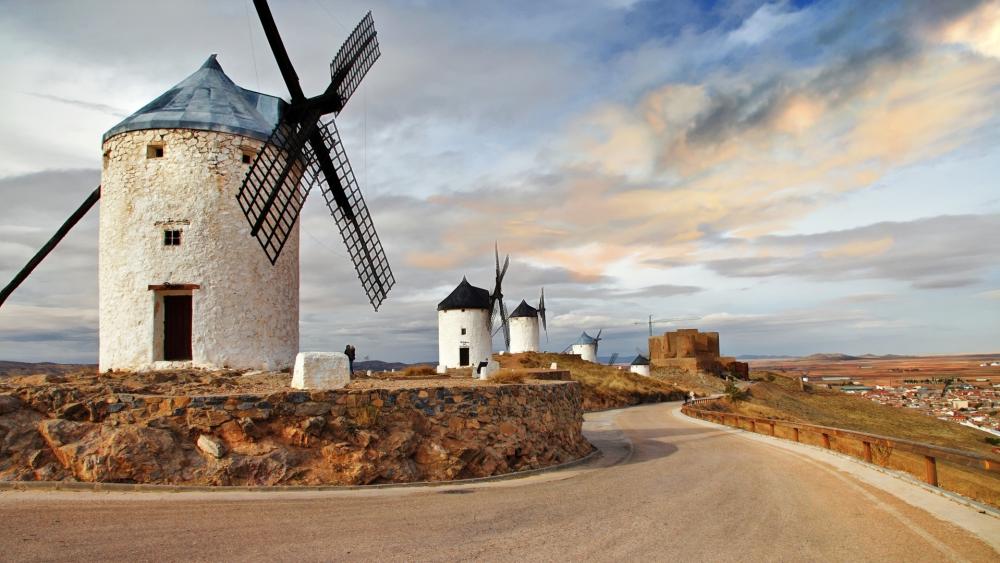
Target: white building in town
464 337
182 283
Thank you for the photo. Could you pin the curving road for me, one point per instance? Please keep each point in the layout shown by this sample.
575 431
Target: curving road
667 487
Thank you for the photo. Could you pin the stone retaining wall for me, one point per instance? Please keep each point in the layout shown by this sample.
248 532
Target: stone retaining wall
342 437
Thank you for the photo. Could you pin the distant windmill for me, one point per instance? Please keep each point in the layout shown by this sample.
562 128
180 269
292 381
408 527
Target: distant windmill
613 359
523 323
586 346
498 311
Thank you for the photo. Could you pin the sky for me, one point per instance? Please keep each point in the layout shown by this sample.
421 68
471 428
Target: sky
799 176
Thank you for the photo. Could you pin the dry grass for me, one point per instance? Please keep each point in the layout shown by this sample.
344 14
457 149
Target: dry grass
508 377
781 399
418 371
604 387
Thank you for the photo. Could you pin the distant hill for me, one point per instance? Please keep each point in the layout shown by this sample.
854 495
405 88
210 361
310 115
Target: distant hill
830 357
47 368
764 357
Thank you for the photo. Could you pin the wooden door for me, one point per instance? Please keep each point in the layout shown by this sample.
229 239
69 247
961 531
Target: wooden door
176 327
463 356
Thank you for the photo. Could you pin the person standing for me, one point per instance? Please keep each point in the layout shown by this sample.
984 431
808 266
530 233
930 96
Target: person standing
349 352
690 397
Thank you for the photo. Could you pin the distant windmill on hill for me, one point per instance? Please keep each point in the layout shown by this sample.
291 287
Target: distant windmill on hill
586 346
523 323
179 285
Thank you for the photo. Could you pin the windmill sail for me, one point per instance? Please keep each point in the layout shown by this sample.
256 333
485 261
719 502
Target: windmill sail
355 59
355 223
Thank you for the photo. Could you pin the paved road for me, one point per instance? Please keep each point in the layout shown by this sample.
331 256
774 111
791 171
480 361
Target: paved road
684 490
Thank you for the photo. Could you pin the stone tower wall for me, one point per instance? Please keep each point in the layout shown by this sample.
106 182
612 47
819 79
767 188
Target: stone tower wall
523 334
477 337
245 311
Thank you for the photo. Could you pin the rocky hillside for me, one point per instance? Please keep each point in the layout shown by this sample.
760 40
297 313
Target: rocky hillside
604 387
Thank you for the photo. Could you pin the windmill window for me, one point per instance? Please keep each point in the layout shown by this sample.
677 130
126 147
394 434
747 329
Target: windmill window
154 151
171 238
247 155
463 331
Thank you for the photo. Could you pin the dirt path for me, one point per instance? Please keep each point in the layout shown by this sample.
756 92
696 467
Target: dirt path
667 488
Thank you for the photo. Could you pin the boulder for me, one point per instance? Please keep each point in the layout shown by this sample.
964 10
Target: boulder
9 403
321 370
211 446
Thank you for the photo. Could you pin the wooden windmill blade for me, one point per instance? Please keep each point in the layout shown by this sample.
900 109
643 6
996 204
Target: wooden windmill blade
541 313
355 222
303 152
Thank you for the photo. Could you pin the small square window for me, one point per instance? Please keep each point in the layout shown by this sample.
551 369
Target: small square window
247 156
171 238
154 151
463 331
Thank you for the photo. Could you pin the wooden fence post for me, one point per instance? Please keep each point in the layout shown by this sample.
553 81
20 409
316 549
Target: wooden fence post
868 451
753 425
795 434
772 428
826 441
930 470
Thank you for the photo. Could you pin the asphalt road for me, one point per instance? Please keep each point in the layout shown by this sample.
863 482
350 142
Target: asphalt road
667 488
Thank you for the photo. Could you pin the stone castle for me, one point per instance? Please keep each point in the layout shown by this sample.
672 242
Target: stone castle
692 351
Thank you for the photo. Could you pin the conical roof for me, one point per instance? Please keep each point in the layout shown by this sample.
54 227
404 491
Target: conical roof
208 101
466 296
586 339
524 310
640 360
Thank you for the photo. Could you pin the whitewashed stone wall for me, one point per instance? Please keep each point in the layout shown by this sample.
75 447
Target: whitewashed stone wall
523 334
477 336
587 352
246 311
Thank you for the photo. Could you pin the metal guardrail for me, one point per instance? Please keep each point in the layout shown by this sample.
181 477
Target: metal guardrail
929 452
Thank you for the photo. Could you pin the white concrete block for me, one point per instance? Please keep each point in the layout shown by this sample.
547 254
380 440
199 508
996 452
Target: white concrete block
441 369
321 370
554 366
491 367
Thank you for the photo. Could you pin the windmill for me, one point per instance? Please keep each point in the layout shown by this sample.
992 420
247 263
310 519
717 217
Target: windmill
305 151
586 346
302 151
497 307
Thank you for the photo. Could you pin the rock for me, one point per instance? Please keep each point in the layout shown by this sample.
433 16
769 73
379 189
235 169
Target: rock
9 403
211 446
321 370
314 425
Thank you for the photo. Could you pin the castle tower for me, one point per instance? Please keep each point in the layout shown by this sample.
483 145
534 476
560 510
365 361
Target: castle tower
586 348
523 329
464 337
182 283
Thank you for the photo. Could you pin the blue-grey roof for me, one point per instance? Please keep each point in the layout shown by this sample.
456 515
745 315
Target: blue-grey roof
208 101
585 339
640 360
466 296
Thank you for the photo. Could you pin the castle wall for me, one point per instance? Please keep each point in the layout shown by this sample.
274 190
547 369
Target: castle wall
523 334
245 311
477 337
692 351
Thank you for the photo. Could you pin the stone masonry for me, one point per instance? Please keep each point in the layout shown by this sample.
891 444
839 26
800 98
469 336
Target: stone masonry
693 351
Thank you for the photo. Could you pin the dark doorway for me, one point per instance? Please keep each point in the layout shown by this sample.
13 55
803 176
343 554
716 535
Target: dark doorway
176 327
463 356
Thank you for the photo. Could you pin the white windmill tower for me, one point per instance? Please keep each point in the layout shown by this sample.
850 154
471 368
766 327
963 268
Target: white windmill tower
586 346
523 321
640 365
465 336
187 180
465 322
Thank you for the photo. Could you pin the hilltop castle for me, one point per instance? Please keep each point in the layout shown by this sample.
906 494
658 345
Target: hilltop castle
689 350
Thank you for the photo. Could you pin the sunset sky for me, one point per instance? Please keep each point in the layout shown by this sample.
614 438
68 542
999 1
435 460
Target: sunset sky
803 177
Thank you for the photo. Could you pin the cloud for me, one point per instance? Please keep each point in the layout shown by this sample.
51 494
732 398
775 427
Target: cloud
931 253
